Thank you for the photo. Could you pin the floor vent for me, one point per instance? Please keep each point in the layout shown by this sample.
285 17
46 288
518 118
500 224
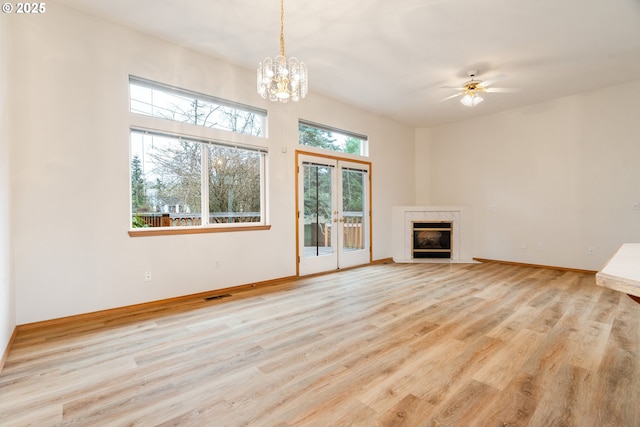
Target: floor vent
212 297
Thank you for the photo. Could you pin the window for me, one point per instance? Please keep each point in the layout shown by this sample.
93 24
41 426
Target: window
181 182
189 183
319 136
180 105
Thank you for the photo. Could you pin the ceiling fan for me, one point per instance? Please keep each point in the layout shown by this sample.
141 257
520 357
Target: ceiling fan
472 89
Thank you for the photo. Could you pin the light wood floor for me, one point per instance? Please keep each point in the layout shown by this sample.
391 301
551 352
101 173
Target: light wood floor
386 345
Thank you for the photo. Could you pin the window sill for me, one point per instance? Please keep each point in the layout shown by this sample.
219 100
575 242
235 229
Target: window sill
146 232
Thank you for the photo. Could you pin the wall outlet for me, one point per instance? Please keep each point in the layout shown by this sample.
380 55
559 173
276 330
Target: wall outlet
524 245
540 246
216 265
492 207
147 276
635 206
591 250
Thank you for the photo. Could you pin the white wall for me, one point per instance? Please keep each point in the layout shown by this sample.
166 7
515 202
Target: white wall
561 174
7 291
423 166
70 162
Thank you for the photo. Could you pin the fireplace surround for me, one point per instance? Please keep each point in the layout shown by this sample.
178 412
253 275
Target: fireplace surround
459 219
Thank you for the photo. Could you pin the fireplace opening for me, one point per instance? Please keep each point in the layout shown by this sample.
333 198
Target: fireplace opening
432 239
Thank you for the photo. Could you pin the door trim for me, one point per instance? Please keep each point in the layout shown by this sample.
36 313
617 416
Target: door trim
299 153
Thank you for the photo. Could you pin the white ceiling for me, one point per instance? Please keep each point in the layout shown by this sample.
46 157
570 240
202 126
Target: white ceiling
392 57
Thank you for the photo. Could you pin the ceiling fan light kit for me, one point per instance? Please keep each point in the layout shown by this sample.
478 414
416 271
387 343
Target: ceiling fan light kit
471 100
472 89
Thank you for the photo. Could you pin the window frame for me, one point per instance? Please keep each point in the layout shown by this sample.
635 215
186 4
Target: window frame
173 90
206 136
364 149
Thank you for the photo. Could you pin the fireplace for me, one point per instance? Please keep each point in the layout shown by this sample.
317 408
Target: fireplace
432 239
459 221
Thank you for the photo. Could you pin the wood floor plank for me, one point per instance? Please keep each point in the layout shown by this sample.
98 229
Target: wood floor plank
410 411
415 377
508 360
618 372
522 316
560 404
385 345
589 345
465 407
509 409
461 367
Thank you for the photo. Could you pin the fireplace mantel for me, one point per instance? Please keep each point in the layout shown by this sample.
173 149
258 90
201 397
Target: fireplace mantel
402 229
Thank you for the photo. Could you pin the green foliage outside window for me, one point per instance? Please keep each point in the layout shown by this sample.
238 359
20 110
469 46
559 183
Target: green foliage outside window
320 137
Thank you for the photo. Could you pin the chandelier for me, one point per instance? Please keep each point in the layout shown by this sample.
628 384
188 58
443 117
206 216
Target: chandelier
280 79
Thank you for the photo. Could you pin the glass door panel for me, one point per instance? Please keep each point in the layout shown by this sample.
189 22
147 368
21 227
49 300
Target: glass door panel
353 210
318 209
353 247
316 204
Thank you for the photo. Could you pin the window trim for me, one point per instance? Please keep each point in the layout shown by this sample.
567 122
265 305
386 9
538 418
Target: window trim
170 231
200 139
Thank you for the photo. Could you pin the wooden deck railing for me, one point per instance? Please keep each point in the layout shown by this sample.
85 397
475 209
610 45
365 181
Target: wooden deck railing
352 226
186 219
352 230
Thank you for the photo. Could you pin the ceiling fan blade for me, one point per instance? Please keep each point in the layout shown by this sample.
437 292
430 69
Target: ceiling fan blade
452 87
491 81
451 97
500 90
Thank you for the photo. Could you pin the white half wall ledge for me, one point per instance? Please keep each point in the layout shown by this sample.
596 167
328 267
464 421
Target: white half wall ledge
402 232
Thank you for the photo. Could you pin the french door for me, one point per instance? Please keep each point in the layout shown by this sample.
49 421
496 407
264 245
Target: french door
333 213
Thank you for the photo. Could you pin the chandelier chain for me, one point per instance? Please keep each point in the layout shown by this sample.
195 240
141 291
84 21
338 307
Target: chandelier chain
282 28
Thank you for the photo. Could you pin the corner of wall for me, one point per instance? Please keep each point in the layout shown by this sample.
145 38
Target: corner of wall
7 290
422 167
5 354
